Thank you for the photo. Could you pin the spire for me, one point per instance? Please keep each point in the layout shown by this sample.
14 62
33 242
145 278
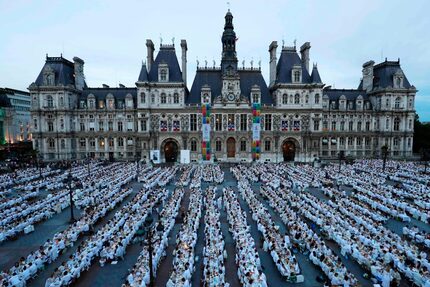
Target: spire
315 76
229 59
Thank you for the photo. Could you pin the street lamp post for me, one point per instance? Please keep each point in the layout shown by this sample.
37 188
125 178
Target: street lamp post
384 150
341 154
39 156
148 233
137 165
69 180
88 165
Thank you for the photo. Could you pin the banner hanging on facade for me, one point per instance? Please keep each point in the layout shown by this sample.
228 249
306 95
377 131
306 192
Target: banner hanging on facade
256 130
206 130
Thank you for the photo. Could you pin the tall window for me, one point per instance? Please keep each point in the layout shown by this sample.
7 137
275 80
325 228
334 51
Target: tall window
397 103
267 145
396 124
143 125
342 125
120 127
163 75
243 122
316 125
101 126
50 126
284 99
268 122
296 76
193 122
243 145
193 145
142 98
333 125
218 122
50 101
255 98
91 104
218 145
110 126
230 122
387 124
35 124
176 98
163 98
152 99
110 104
82 142
51 143
317 99
359 126
350 126
296 99
367 126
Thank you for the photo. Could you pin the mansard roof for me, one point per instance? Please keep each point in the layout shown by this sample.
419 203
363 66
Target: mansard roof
289 58
119 94
213 79
383 74
166 55
62 68
350 95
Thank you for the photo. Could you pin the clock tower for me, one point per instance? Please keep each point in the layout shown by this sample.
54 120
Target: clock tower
230 76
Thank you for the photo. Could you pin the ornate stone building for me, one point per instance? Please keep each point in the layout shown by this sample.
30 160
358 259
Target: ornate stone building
301 118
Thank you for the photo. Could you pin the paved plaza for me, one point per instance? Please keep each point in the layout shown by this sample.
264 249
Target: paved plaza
212 225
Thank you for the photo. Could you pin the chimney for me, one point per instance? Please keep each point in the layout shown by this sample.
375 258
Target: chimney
184 60
121 85
272 63
304 52
150 57
368 76
105 86
78 66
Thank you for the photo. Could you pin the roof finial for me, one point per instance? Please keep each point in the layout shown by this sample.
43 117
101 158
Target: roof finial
206 63
213 61
259 64
243 63
252 62
197 60
283 43
173 41
295 42
228 6
161 40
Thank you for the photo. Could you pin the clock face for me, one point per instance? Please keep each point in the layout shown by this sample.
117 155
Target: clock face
230 97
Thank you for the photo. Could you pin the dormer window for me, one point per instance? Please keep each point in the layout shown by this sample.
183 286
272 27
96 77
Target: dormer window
317 99
110 102
206 98
142 98
296 76
49 76
163 73
398 80
255 98
129 102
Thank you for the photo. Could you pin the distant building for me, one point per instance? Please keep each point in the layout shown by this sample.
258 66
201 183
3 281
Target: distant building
15 117
229 113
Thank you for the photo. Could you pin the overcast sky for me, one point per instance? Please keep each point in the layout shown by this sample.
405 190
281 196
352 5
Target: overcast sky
110 36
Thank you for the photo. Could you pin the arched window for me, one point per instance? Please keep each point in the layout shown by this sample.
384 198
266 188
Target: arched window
397 103
317 99
193 145
51 143
91 104
297 99
267 145
120 141
396 124
110 142
284 99
101 142
218 145
142 98
50 101
163 98
176 98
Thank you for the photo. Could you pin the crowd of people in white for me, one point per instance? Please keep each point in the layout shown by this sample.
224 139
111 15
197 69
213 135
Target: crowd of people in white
350 208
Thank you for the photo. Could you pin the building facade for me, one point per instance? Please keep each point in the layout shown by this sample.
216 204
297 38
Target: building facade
15 116
300 119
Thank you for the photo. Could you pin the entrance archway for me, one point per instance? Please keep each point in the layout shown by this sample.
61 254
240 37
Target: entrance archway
289 150
231 147
171 151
